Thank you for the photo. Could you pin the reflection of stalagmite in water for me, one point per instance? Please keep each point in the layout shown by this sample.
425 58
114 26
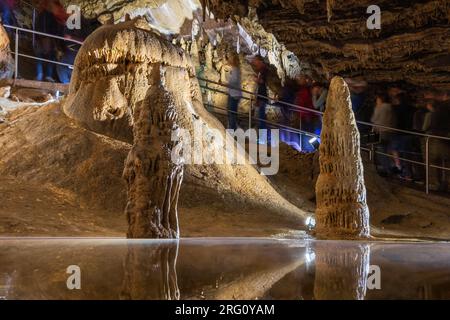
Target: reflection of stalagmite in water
341 271
150 272
341 194
153 180
114 71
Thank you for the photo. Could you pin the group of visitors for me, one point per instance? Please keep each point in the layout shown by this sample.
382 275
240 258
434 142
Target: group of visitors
302 92
392 108
50 18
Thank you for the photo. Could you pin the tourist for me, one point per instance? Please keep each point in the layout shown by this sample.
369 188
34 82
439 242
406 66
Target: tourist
287 96
7 8
319 96
304 100
383 115
360 106
234 91
403 143
45 47
261 102
438 123
7 12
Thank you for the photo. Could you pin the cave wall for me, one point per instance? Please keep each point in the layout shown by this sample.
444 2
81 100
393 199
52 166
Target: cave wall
332 36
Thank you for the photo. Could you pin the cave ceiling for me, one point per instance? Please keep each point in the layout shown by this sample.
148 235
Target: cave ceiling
332 36
412 45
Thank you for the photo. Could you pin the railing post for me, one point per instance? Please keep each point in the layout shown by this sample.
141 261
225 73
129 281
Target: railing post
427 165
16 54
250 110
372 153
34 27
300 143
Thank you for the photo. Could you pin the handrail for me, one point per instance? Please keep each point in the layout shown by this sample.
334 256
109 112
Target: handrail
296 107
372 151
16 47
42 34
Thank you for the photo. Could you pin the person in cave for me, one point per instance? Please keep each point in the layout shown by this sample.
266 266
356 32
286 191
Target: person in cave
7 12
261 103
234 91
319 96
68 50
50 19
287 95
383 115
437 123
402 143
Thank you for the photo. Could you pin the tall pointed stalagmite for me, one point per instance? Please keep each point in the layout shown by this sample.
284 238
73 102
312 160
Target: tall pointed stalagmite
342 210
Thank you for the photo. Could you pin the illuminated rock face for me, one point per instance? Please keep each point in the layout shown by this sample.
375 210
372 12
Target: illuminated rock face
132 85
342 210
111 75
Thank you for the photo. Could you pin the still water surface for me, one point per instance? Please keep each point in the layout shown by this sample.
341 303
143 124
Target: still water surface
224 269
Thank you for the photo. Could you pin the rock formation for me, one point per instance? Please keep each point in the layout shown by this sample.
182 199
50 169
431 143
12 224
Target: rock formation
113 81
341 194
153 179
6 60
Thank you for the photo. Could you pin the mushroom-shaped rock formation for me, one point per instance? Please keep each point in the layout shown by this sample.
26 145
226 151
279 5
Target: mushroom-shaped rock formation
114 80
111 75
342 209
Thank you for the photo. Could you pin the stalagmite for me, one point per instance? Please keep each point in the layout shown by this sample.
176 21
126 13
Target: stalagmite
153 179
342 210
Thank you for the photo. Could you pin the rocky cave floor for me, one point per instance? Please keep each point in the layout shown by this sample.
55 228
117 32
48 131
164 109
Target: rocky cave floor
78 191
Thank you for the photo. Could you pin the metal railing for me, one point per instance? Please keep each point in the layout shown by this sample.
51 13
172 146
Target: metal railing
251 96
34 33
